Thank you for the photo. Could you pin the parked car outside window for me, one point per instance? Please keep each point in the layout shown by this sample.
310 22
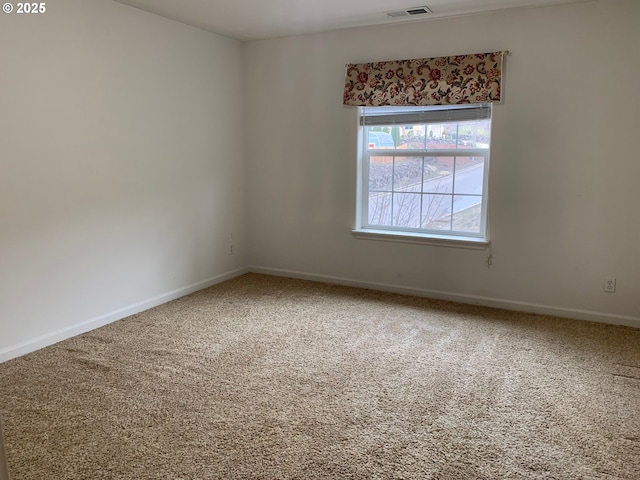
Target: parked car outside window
381 140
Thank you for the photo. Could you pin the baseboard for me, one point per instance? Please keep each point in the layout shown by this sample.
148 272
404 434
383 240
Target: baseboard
527 307
42 341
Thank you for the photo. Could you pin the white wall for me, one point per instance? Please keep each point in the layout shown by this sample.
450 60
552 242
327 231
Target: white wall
121 166
564 201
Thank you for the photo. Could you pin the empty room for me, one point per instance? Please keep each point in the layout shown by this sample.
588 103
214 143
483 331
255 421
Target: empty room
285 239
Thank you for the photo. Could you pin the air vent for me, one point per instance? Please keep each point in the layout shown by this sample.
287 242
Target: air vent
419 11
410 11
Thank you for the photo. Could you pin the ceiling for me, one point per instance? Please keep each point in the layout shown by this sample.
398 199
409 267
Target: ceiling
260 19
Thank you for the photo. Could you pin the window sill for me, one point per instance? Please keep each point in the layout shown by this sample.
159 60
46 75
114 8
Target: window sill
421 239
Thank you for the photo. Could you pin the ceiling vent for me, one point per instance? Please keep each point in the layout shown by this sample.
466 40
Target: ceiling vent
410 11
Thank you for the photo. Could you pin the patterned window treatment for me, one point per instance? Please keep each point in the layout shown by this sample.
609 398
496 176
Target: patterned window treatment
473 78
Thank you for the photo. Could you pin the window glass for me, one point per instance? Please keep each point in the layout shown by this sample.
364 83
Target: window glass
426 177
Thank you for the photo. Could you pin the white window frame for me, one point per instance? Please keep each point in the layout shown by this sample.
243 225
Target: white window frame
368 116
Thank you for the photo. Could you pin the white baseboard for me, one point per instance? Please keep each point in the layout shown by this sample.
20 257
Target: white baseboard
42 341
527 307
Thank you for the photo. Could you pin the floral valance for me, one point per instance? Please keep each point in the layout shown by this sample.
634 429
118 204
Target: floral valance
474 78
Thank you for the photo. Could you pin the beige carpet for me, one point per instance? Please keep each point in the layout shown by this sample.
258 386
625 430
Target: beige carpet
271 378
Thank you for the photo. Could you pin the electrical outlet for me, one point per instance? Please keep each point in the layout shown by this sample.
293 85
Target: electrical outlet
610 284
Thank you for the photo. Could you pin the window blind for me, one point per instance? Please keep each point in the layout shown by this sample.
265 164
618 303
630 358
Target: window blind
412 115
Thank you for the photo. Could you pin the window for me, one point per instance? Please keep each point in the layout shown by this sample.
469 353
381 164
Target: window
424 173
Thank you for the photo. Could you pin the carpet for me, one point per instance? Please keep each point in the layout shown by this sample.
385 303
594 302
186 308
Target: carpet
262 377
